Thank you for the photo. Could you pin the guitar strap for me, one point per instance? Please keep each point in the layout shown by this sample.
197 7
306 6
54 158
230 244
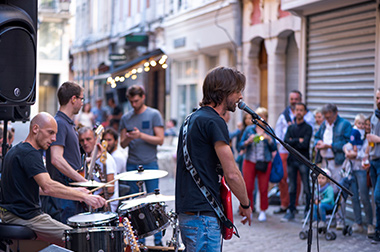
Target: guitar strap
208 195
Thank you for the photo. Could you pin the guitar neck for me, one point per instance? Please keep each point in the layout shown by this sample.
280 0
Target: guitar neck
131 237
98 133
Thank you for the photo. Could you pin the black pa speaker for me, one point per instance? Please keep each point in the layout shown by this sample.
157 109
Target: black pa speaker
18 40
15 113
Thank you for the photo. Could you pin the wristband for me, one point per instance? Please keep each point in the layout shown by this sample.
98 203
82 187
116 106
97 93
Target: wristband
246 207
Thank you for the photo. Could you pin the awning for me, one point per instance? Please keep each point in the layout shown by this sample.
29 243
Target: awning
121 69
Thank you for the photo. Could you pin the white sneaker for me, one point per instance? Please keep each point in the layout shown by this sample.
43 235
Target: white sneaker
357 228
370 230
262 216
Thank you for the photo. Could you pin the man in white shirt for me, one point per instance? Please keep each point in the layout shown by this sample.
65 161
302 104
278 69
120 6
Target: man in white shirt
329 140
107 168
111 136
287 118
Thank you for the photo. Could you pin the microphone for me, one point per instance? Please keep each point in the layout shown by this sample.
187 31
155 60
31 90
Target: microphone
244 107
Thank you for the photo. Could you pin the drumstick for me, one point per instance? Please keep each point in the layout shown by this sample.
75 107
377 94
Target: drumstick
100 187
125 197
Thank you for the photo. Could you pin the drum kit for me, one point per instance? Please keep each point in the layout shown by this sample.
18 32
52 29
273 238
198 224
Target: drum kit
137 218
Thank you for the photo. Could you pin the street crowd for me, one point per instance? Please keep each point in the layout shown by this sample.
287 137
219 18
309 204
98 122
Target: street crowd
348 154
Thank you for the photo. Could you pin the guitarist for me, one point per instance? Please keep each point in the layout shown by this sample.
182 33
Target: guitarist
107 170
209 150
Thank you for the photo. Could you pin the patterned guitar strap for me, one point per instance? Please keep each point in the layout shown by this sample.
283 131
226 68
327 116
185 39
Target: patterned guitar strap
208 195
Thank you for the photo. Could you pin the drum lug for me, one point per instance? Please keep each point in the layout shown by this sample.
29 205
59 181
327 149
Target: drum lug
112 235
88 236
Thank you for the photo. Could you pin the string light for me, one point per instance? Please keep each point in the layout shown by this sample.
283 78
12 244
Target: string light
134 72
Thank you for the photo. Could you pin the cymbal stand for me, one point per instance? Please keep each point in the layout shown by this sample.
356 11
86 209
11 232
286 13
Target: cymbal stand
140 185
174 241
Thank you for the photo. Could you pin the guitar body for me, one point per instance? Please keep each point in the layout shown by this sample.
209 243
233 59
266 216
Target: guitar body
225 194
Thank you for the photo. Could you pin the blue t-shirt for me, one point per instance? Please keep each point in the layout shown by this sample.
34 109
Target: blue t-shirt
206 128
20 192
67 137
356 138
139 151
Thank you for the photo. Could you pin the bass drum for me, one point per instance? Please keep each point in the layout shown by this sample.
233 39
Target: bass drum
95 239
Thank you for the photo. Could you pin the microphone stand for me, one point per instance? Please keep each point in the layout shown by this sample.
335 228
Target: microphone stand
314 174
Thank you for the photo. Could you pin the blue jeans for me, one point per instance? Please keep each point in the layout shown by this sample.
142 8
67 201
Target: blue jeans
150 186
357 183
375 179
293 167
323 208
200 233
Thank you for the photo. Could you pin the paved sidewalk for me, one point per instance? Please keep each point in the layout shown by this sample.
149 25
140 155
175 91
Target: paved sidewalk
274 235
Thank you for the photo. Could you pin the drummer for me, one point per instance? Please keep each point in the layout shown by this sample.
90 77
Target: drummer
25 178
87 139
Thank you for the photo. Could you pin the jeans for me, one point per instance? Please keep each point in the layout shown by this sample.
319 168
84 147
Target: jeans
323 208
375 179
358 186
200 233
150 186
293 168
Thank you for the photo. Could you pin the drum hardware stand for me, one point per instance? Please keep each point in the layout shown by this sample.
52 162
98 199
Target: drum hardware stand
140 183
174 241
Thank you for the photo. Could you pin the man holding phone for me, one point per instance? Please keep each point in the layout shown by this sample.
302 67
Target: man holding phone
142 129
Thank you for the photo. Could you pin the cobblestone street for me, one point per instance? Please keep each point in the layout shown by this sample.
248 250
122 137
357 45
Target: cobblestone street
274 235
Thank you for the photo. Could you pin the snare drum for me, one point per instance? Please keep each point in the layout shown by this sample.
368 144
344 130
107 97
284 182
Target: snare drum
93 220
146 219
100 239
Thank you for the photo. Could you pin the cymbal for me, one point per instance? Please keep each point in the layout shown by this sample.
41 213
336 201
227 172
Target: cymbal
90 183
141 175
151 198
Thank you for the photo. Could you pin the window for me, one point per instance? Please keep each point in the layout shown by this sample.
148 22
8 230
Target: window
187 100
50 41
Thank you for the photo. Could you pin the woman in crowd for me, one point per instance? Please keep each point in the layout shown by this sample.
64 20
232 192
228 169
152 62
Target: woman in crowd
257 162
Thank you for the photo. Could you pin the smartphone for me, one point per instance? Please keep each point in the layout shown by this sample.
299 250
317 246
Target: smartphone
130 130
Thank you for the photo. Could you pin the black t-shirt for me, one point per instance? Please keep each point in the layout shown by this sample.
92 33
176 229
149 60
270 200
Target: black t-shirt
206 128
20 192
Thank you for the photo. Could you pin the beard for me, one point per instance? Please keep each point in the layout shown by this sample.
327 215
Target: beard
231 105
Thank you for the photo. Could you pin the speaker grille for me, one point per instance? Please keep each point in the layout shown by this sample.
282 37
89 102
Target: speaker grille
17 66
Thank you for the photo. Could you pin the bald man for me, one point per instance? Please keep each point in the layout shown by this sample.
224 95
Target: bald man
25 178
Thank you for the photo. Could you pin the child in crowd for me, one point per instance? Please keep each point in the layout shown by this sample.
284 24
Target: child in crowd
355 175
324 200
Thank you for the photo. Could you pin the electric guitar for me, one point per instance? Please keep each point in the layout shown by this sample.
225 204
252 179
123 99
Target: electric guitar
225 194
132 243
